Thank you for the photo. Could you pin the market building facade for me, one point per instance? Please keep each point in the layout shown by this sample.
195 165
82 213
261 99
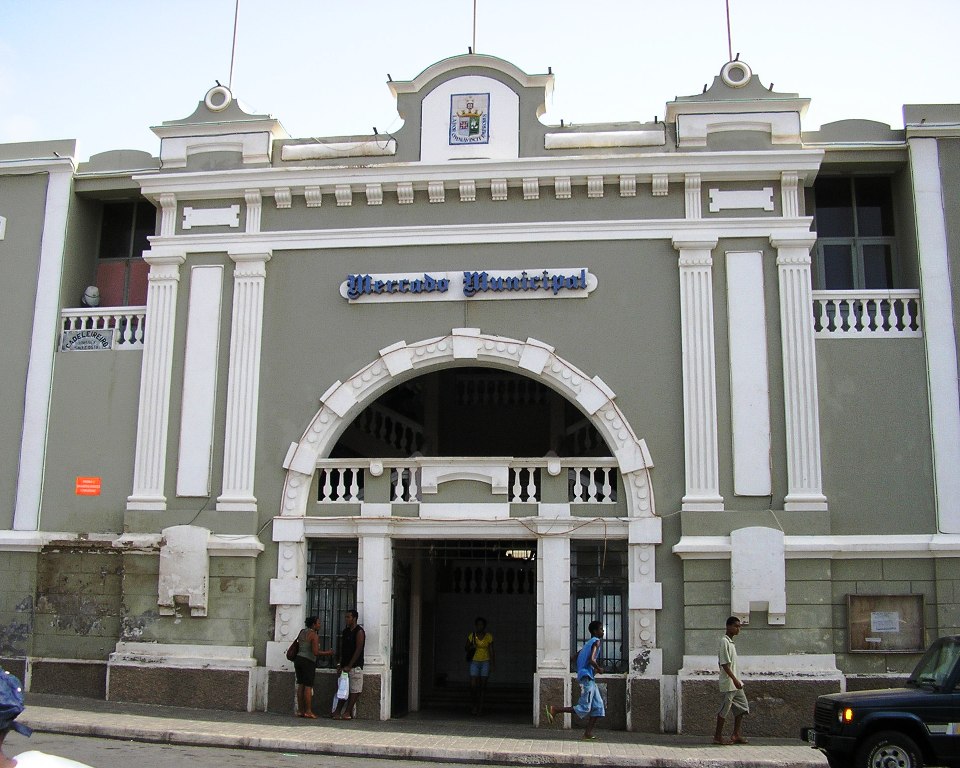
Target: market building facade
653 373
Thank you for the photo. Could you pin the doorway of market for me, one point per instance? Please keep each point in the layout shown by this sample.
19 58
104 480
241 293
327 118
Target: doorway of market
450 583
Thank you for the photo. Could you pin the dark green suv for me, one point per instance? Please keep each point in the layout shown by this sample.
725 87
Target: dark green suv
897 727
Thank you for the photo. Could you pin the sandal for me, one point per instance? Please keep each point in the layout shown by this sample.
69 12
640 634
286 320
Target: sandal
547 711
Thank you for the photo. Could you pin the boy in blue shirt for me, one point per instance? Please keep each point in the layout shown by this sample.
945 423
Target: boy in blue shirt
590 705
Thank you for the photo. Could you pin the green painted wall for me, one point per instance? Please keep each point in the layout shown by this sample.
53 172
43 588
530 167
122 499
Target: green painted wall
872 393
93 431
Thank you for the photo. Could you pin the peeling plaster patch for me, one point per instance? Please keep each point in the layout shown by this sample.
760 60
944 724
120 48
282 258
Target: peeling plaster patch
25 605
641 661
133 627
13 638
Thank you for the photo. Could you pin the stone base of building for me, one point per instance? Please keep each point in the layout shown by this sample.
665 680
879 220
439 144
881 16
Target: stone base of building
781 691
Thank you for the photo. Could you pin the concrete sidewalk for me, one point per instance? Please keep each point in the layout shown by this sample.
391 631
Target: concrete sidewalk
483 740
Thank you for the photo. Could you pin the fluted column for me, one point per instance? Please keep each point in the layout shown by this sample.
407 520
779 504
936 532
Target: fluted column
150 461
801 403
701 458
243 385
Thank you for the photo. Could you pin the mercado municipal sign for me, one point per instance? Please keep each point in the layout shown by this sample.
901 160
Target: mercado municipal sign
568 283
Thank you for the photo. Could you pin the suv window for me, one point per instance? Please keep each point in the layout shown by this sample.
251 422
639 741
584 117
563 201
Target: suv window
936 665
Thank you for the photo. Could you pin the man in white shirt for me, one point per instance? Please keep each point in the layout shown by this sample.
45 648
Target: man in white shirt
731 687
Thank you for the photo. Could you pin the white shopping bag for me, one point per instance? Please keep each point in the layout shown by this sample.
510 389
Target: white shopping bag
343 686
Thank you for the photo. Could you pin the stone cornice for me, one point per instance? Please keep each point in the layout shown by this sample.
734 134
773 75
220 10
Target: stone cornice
711 166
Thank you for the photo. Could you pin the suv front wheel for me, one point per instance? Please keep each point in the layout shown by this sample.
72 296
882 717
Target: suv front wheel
889 749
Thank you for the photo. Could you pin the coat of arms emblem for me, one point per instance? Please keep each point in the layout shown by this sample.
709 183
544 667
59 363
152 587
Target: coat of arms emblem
470 118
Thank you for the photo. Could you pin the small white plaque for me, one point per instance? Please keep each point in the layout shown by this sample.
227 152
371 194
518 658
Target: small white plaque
884 621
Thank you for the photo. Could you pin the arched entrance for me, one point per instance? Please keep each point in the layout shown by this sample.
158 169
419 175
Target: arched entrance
377 525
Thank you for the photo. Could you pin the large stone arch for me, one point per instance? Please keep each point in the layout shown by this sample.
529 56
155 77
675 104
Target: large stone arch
341 403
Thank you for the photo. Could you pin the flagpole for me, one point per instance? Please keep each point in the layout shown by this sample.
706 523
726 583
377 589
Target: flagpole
233 49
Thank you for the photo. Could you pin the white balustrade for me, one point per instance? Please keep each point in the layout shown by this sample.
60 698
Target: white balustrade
866 314
594 483
591 481
390 427
127 323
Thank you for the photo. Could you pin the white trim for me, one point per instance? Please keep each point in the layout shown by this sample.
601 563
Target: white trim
831 547
46 319
199 391
805 665
253 147
562 231
182 656
701 455
153 415
243 382
749 377
694 129
3 227
212 217
740 199
941 343
598 139
218 545
801 401
455 63
336 149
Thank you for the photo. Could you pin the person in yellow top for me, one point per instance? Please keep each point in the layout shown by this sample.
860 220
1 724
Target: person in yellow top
479 650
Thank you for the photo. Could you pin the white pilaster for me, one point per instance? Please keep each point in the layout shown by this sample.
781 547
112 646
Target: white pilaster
553 598
46 317
374 595
701 458
939 336
243 385
801 401
149 467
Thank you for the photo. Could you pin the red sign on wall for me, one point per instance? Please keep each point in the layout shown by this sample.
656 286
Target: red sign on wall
88 486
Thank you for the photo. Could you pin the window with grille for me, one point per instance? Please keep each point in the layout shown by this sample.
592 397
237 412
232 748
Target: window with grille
598 591
331 588
856 247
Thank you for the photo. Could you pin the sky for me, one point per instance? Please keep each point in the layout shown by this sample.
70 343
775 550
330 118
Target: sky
104 71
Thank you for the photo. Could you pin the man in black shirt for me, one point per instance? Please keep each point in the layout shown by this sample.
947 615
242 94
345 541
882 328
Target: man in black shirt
352 640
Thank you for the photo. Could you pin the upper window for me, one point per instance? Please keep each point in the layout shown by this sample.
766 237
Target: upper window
121 270
855 236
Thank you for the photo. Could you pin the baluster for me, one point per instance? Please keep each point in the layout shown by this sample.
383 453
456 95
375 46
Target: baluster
592 487
141 328
876 321
341 486
327 487
398 485
516 489
833 323
577 484
532 494
414 492
908 319
607 489
355 484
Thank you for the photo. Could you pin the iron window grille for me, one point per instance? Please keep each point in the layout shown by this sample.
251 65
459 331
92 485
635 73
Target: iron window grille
331 588
598 591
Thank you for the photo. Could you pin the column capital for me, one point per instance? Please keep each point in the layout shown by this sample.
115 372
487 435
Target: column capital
164 257
807 241
241 255
703 244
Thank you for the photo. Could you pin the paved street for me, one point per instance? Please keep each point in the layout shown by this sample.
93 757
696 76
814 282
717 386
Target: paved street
114 753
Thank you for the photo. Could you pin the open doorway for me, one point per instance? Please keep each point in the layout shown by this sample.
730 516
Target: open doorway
448 584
